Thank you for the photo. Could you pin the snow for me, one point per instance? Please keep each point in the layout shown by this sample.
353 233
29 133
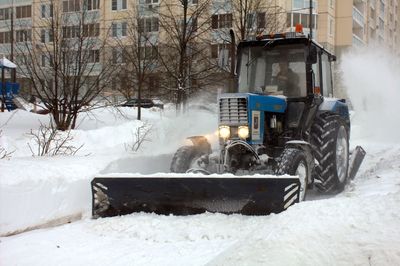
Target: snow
357 227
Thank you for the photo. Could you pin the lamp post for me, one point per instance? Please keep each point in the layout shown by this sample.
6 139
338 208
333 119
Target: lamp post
13 71
311 20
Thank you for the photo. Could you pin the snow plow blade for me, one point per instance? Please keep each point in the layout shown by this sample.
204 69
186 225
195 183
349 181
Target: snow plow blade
113 196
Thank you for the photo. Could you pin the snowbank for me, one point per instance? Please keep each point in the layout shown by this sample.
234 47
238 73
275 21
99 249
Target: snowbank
40 191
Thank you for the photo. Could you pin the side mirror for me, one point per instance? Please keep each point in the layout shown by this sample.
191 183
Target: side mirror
312 56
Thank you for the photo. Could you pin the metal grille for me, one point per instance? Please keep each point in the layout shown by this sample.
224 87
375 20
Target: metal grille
233 111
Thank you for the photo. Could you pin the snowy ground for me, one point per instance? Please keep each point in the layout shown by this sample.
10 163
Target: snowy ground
357 227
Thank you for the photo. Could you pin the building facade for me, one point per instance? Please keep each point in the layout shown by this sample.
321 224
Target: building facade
336 24
363 22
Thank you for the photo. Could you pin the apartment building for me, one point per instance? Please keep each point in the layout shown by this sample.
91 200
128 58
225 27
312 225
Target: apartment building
363 22
336 24
22 26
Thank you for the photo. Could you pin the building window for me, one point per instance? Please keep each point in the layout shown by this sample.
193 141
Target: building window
47 58
51 38
43 60
298 3
5 37
193 24
114 5
118 56
331 27
118 5
43 11
149 52
71 32
51 60
91 30
23 35
221 21
219 50
24 11
115 30
4 14
42 36
261 20
94 56
92 4
119 29
150 24
256 19
304 19
124 27
71 5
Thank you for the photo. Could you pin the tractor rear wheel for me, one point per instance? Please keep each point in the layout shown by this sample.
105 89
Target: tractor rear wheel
330 139
294 162
184 158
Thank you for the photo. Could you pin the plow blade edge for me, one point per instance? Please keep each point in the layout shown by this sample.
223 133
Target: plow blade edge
113 196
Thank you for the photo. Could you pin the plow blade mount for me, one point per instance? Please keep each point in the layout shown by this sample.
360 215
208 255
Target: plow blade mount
113 196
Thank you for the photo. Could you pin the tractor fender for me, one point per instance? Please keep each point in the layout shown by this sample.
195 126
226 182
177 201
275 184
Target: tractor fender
202 143
336 106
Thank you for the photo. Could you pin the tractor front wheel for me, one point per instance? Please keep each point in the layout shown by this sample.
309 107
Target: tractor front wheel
184 158
293 161
330 139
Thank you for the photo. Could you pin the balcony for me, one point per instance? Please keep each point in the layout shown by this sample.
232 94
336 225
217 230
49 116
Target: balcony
358 18
357 41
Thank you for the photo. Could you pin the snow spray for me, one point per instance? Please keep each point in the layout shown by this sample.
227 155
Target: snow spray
371 79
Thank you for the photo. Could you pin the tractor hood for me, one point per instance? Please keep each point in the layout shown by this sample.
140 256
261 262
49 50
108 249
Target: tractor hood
260 102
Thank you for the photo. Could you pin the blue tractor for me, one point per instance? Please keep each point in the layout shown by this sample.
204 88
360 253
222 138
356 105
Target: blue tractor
281 132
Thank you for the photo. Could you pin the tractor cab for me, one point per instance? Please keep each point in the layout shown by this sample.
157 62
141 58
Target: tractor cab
294 67
282 81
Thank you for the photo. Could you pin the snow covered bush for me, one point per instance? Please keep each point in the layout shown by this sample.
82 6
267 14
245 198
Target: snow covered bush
48 141
4 154
139 136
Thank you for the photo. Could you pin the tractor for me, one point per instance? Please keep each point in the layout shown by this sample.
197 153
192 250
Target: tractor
280 130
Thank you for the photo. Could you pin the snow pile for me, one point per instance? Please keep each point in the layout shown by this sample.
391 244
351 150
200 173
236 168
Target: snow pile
37 191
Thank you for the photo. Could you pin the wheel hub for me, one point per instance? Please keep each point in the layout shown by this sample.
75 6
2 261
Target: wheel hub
342 151
301 171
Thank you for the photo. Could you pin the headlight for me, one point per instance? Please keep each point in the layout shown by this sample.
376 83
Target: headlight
243 132
224 132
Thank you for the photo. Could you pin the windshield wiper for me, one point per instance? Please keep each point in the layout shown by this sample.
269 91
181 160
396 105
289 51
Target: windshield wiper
269 43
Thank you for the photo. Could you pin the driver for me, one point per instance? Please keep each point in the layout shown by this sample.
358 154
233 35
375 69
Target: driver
288 80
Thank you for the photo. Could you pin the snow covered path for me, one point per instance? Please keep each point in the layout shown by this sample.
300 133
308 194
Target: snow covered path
357 227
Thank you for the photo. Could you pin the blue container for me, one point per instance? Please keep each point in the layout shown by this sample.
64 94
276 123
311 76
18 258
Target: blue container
9 89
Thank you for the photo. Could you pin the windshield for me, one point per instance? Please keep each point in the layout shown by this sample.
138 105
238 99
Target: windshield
280 70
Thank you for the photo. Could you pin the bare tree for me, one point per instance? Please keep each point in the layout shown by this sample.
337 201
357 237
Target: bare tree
253 17
62 57
237 20
4 154
48 141
249 18
184 46
135 50
139 137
